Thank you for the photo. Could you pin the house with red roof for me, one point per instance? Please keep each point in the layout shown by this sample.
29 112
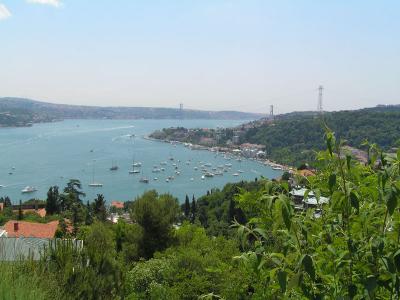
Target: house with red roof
117 204
30 229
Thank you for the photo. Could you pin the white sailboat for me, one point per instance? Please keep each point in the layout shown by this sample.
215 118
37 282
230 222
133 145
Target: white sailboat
93 183
134 169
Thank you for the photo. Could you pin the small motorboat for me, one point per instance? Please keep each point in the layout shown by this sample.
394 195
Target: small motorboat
28 189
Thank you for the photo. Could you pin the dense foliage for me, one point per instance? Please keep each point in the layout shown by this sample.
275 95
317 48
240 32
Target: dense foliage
294 140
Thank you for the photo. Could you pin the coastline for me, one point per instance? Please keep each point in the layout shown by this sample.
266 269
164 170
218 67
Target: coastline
225 150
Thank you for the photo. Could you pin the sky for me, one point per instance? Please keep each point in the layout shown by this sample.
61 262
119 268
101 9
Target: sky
207 54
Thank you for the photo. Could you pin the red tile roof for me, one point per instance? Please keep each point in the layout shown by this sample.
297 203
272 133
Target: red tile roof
306 173
117 204
30 229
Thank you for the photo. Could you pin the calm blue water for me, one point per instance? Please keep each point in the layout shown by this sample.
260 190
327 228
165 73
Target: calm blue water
50 154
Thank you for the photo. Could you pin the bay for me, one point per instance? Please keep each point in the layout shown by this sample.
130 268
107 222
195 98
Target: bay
51 153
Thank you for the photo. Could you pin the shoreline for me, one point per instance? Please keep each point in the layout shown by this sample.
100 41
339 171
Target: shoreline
226 150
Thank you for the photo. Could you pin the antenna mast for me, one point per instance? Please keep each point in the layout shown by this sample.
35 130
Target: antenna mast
320 90
271 112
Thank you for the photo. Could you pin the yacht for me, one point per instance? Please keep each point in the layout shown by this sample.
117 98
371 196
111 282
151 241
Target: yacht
144 180
235 174
277 168
134 167
114 167
93 183
209 174
28 189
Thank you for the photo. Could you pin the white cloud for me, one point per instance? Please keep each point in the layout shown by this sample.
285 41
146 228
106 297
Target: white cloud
55 3
4 12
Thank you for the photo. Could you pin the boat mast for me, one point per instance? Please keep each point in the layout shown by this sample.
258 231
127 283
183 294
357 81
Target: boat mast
93 171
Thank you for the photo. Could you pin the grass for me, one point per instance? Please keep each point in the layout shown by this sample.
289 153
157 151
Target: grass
17 281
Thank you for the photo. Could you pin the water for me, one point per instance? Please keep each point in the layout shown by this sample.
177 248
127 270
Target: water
50 154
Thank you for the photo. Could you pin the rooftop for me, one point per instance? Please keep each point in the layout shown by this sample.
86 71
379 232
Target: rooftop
30 229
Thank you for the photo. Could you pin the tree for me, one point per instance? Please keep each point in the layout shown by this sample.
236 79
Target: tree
193 211
74 187
99 208
155 214
7 201
53 201
187 207
20 213
88 217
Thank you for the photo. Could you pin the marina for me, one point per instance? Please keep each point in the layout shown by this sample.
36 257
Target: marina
113 158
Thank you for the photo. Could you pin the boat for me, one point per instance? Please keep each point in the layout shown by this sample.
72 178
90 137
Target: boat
114 167
144 180
203 177
209 174
28 189
276 168
228 165
235 174
155 178
219 173
240 171
1 186
163 163
191 179
156 170
134 165
93 183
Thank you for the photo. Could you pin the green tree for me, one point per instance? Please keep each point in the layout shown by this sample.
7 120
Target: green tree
52 202
20 213
193 211
187 207
156 215
99 208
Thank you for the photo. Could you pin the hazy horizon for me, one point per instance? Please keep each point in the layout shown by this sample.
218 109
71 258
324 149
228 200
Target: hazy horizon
208 55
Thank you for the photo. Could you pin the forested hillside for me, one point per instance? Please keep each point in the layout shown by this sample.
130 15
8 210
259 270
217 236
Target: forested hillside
294 139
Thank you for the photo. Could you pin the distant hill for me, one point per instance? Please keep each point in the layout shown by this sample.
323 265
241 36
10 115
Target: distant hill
23 112
293 138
